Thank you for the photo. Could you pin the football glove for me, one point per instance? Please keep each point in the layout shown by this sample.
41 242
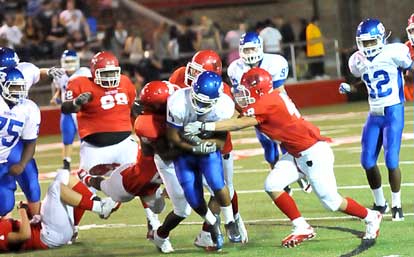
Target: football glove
344 88
205 148
55 72
193 128
82 99
191 138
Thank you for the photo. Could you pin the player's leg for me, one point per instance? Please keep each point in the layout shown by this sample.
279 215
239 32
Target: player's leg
181 209
7 189
284 173
371 145
271 152
211 167
27 180
317 163
392 144
191 182
68 130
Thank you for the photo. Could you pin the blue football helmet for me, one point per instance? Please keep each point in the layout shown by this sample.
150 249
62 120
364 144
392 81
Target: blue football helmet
70 60
205 91
251 48
12 84
8 57
370 37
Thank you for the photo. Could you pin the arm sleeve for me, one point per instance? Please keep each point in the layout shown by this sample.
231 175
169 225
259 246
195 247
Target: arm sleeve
279 71
175 112
354 62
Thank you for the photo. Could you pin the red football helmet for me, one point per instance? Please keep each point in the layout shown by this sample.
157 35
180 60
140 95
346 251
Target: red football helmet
254 84
156 93
105 70
204 60
410 29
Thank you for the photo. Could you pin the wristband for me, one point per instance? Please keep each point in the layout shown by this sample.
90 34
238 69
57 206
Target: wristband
208 126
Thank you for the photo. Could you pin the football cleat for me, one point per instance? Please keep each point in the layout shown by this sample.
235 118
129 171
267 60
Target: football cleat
162 244
242 228
305 185
382 209
298 236
233 232
108 206
75 235
397 214
204 240
373 226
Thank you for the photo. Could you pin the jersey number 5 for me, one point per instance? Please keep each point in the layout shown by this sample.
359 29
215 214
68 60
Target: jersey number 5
109 101
378 92
10 130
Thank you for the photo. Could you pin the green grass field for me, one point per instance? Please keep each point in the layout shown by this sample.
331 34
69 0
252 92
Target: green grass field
337 235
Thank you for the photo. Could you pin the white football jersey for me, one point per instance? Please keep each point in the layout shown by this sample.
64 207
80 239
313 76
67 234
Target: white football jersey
383 75
31 73
180 111
21 121
275 64
62 82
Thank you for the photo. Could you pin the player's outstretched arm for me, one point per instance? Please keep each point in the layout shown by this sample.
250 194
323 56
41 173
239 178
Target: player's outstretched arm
24 232
76 104
345 88
224 125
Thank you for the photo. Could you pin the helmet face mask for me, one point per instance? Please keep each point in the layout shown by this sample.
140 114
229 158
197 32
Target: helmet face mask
410 29
204 60
13 85
242 96
251 48
370 37
108 77
70 61
205 92
105 70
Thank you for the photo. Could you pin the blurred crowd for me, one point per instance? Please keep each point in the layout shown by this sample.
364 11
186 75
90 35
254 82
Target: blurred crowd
42 29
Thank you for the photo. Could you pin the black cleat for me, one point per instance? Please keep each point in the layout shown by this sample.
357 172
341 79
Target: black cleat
381 209
397 214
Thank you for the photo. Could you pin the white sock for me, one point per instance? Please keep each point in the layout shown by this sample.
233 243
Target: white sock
379 198
396 199
371 215
227 214
210 218
68 159
96 207
300 222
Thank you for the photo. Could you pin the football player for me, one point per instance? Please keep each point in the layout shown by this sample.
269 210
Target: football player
209 60
409 87
308 153
381 67
70 62
65 194
19 121
202 158
251 55
103 106
28 179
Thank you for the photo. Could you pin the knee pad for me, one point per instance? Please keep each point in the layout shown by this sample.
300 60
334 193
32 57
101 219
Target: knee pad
367 163
331 202
182 208
272 185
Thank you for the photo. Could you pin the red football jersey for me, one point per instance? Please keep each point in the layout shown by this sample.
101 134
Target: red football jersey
178 77
142 178
6 226
108 111
279 119
410 46
11 225
409 87
34 243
